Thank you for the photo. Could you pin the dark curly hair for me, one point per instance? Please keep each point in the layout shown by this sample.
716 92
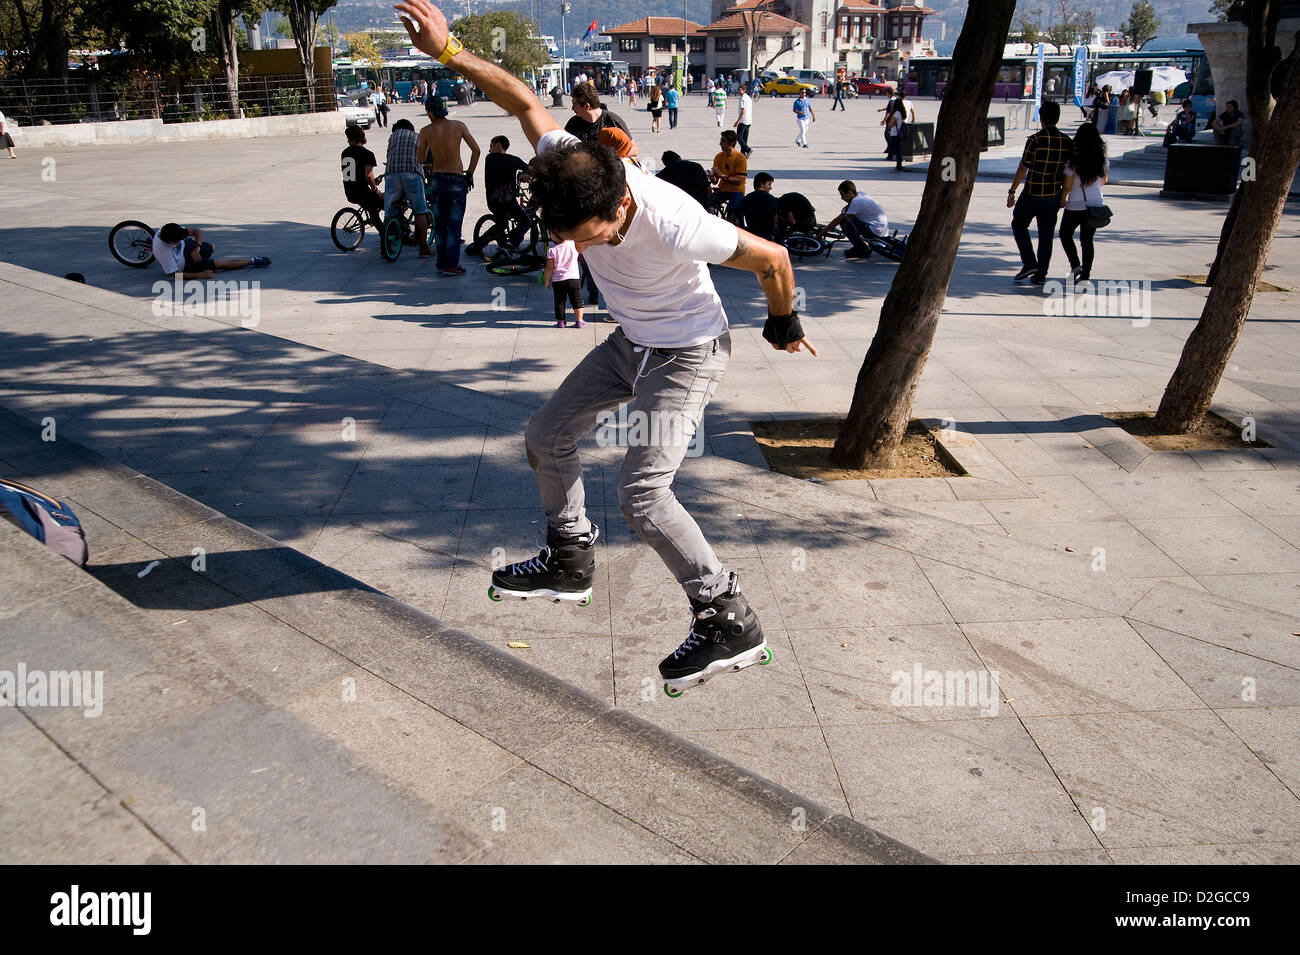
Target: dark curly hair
578 182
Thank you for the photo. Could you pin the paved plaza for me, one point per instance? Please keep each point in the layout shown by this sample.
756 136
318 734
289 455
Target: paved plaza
1133 613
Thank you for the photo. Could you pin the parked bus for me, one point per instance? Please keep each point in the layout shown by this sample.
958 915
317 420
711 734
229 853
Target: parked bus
928 76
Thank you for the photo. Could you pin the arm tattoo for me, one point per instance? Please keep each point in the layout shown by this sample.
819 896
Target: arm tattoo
742 248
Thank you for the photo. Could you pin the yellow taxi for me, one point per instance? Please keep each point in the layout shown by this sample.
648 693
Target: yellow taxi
787 86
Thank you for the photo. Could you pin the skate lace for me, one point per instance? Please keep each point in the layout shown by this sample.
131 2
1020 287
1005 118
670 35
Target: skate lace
693 639
534 565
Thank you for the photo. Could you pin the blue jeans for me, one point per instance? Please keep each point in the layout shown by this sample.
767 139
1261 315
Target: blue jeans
1043 210
447 194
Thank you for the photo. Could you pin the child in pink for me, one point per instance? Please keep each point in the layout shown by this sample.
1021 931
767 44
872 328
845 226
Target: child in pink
562 277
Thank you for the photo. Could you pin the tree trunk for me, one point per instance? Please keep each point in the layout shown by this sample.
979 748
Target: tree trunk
1188 395
1262 57
882 398
52 38
223 27
302 21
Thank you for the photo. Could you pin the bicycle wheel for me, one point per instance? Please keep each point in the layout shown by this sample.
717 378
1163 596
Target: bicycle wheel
348 229
390 242
488 249
801 245
131 243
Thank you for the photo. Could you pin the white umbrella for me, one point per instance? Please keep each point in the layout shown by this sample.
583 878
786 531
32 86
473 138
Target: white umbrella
1115 79
1162 78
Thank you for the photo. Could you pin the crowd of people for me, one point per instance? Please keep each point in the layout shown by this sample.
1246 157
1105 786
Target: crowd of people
1063 177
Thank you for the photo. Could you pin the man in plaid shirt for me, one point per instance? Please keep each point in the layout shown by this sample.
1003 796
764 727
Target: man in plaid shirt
404 179
1046 154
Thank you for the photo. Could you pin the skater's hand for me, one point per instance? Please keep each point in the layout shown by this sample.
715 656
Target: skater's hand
785 333
425 24
796 346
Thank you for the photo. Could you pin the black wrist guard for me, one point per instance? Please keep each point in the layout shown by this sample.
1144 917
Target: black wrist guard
781 330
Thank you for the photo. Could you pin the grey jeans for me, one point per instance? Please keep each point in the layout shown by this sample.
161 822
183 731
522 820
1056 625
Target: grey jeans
668 389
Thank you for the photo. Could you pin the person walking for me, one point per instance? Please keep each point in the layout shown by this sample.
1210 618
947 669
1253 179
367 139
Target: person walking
803 115
1085 174
376 100
744 119
897 128
718 99
650 246
6 139
671 101
1043 165
656 107
839 95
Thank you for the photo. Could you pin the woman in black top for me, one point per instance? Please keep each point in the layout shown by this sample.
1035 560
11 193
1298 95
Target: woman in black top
656 107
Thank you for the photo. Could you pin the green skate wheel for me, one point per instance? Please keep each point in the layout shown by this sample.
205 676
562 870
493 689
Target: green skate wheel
669 691
493 595
766 658
584 601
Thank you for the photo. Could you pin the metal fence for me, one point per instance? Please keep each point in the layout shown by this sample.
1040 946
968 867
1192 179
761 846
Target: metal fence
92 98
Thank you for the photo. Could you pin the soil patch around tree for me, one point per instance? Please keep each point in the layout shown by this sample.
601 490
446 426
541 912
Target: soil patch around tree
1215 433
801 448
1260 286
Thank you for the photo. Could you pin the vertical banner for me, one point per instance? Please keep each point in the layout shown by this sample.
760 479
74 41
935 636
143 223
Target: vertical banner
1038 78
1080 74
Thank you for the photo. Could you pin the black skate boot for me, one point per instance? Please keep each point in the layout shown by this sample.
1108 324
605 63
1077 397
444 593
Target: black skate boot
725 635
562 571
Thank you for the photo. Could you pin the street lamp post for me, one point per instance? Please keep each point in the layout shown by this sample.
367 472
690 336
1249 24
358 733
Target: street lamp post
564 49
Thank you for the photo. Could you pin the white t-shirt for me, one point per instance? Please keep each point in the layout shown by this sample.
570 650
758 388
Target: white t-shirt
1079 197
656 281
746 109
897 119
170 257
869 212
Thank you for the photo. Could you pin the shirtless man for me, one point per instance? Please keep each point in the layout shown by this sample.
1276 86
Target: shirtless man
449 183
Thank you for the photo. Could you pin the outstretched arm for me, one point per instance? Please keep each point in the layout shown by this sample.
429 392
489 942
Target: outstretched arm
428 30
771 264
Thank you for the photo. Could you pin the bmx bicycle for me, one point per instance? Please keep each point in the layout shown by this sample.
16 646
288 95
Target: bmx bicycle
492 232
349 226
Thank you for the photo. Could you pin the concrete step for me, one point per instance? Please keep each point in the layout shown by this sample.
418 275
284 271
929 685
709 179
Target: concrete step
259 706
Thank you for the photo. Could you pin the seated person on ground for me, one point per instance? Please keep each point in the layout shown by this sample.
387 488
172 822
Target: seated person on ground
729 172
862 218
687 176
359 176
1229 126
1183 128
794 213
757 211
178 249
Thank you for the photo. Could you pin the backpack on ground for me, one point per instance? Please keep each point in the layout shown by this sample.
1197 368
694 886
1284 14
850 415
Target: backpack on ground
51 522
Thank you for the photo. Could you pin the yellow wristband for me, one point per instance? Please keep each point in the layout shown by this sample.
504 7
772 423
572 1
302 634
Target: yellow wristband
451 49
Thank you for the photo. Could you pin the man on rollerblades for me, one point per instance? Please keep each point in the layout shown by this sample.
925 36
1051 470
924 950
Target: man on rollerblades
648 245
